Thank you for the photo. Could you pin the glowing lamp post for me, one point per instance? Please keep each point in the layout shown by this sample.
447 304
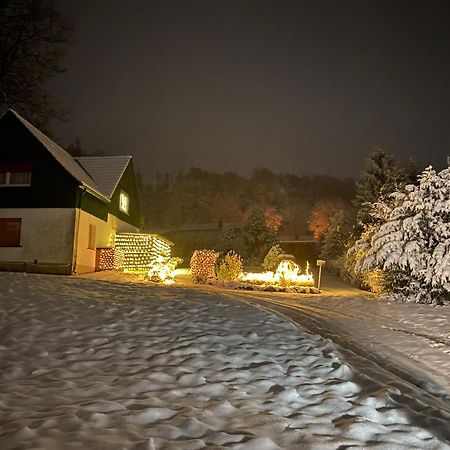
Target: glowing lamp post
320 263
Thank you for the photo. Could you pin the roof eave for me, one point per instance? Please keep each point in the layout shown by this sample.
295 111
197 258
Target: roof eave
95 193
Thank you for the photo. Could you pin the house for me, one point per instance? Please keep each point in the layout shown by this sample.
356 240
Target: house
55 210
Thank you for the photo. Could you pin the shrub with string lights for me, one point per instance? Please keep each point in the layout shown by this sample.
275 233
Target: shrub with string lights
202 265
162 270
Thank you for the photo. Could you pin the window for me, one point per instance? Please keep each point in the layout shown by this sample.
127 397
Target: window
10 232
124 202
91 242
15 174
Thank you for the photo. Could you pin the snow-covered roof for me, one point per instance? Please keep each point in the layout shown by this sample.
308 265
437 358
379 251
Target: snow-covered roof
64 158
105 170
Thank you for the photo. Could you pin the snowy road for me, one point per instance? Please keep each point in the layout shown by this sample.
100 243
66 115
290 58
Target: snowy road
378 360
395 336
119 366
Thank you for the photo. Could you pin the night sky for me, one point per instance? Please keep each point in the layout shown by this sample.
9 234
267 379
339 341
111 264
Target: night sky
296 86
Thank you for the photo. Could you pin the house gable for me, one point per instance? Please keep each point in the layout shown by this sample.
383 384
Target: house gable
115 175
60 181
51 186
127 183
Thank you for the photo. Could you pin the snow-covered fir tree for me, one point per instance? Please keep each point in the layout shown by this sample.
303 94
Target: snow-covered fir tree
413 245
382 175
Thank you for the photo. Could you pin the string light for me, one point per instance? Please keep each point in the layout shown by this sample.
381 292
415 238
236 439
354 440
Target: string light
163 270
141 250
110 258
202 264
287 274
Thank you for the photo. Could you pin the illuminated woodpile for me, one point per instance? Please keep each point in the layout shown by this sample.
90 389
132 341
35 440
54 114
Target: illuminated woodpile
202 265
141 250
109 258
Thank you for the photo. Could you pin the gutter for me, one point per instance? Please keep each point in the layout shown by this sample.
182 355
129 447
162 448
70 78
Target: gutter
95 193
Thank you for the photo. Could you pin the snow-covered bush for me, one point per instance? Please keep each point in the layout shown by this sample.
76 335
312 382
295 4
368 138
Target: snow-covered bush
230 267
349 263
374 280
352 263
163 269
271 260
413 245
202 265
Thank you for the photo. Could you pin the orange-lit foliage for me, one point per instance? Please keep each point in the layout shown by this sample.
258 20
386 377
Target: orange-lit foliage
273 218
321 214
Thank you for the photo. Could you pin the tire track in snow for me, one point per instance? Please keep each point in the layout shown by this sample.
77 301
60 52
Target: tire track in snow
427 407
319 308
435 339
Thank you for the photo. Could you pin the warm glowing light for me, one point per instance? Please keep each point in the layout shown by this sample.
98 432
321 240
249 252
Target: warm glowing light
110 258
163 270
202 265
287 274
141 250
124 202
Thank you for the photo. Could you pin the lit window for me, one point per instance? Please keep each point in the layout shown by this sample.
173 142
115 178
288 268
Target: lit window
15 174
10 232
124 202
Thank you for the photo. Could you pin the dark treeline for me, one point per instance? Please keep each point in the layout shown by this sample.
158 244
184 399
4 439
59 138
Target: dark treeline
198 196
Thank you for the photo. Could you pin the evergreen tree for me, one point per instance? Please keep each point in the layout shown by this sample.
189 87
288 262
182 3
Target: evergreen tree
381 176
254 240
337 237
373 203
413 245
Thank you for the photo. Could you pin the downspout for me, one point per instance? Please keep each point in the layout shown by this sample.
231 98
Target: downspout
76 230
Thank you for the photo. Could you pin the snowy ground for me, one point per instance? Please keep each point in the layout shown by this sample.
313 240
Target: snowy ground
103 365
409 333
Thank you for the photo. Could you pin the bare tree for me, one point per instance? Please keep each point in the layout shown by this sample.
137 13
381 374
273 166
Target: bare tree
32 38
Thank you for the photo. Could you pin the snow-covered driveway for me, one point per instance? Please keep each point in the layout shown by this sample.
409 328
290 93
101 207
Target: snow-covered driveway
116 366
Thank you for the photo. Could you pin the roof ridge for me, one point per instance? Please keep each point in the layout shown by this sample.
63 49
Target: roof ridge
102 156
53 148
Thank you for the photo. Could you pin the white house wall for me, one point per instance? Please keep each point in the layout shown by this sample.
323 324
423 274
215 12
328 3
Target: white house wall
60 236
46 235
84 257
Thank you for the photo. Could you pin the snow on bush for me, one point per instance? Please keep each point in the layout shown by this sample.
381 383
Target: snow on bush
413 245
353 265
